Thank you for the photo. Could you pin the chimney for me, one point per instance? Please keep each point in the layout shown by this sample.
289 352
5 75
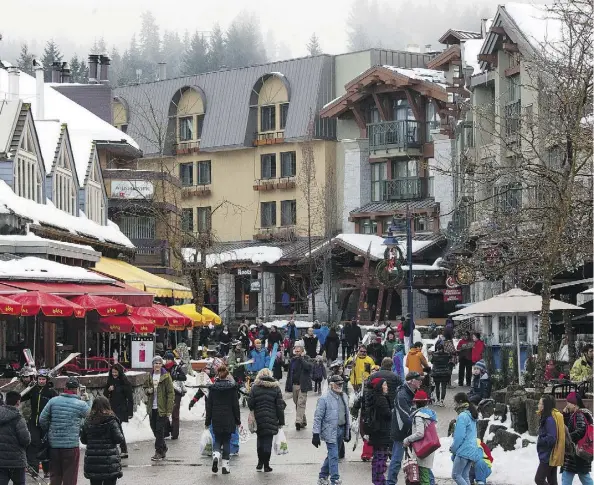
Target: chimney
39 91
428 48
484 28
162 71
56 69
104 69
13 83
93 64
65 78
413 48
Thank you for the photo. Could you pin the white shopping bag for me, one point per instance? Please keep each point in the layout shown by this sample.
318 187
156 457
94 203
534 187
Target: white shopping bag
280 444
206 443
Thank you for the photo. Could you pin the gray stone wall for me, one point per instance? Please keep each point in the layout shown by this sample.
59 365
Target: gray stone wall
357 179
227 297
267 294
443 186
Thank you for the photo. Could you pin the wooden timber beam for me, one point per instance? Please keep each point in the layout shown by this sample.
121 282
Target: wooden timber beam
489 58
414 105
360 119
498 30
510 47
380 106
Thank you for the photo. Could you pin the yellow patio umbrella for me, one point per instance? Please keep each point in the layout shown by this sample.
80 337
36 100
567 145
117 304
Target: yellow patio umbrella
205 317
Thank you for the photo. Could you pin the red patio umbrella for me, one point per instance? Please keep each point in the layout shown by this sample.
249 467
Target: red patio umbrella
163 316
50 305
9 306
103 305
126 324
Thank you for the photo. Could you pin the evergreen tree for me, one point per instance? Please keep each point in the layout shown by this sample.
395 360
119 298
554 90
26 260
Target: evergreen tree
131 62
173 51
244 46
25 60
116 69
150 45
196 56
216 49
74 69
51 54
99 46
313 46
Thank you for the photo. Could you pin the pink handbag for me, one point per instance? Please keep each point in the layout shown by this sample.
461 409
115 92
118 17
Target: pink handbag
428 443
410 467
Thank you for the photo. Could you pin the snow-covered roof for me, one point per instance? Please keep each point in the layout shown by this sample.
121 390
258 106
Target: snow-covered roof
254 254
48 133
34 238
48 214
32 268
430 75
362 242
471 49
8 116
538 24
83 126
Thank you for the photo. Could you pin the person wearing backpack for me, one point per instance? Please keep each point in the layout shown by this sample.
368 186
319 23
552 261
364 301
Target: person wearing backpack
421 419
578 420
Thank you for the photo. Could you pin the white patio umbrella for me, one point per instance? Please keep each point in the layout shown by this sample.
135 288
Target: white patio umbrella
513 302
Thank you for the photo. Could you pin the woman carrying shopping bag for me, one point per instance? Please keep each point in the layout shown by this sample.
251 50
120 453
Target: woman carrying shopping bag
266 403
422 419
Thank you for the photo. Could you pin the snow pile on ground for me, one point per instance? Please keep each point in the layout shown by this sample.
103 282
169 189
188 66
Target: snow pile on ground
49 215
34 268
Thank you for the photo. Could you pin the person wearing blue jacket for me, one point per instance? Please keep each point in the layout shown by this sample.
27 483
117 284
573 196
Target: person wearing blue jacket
464 446
322 333
62 419
260 357
398 361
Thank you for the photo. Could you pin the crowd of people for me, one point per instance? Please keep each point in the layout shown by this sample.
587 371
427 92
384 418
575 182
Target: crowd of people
392 409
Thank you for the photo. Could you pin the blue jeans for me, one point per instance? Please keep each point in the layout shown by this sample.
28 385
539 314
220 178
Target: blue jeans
461 470
481 471
567 478
395 463
330 465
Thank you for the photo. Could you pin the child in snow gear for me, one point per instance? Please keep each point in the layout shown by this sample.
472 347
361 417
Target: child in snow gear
318 374
481 383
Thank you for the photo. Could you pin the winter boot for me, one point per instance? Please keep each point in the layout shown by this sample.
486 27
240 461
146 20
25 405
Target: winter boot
157 457
226 468
216 457
266 457
323 481
260 461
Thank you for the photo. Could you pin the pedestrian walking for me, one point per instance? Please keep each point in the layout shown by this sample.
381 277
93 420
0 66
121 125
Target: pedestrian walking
478 348
178 376
481 383
361 367
401 424
259 356
390 344
353 336
450 349
331 346
62 419
344 343
38 397
332 424
376 349
392 380
299 383
27 377
421 419
119 392
267 404
577 418
310 342
274 337
242 334
378 428
465 359
550 444
464 446
318 374
160 394
14 440
222 412
204 336
102 434
337 369
398 361
225 339
415 360
441 373
262 332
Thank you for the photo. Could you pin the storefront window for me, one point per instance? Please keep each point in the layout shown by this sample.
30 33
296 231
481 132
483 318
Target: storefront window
505 329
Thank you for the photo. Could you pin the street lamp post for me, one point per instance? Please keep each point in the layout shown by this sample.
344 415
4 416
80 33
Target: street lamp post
409 296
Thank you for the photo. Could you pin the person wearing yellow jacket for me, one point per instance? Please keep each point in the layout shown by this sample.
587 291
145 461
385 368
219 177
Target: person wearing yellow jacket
361 366
582 368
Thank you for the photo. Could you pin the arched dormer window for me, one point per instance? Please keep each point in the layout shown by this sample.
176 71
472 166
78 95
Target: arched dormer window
271 95
189 113
119 110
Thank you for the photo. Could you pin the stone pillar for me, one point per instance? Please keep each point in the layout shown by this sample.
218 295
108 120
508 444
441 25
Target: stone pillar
227 297
443 184
420 304
357 179
266 298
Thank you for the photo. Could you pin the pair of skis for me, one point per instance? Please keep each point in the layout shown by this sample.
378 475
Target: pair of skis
52 373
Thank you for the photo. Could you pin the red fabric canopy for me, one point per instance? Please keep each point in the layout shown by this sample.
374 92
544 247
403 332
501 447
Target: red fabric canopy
50 305
126 324
163 316
103 305
10 307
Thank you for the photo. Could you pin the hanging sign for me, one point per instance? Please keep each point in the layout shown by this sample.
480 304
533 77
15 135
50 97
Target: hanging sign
132 189
452 294
255 286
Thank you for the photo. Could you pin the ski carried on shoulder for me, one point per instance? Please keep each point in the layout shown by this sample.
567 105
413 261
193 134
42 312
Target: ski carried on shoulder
54 371
273 356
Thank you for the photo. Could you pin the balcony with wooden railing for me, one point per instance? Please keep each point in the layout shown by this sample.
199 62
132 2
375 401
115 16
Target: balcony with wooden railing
186 147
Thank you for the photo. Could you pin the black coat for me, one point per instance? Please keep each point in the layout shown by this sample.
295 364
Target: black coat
393 380
305 380
311 345
14 438
266 401
352 334
376 352
222 406
274 338
101 434
577 423
441 366
225 338
401 413
332 342
39 397
381 417
121 400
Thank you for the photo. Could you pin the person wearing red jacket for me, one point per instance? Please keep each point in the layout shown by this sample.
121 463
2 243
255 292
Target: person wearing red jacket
478 348
464 349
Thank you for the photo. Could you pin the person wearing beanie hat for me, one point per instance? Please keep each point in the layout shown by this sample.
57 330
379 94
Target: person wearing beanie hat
178 376
421 419
481 383
577 418
377 414
160 398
